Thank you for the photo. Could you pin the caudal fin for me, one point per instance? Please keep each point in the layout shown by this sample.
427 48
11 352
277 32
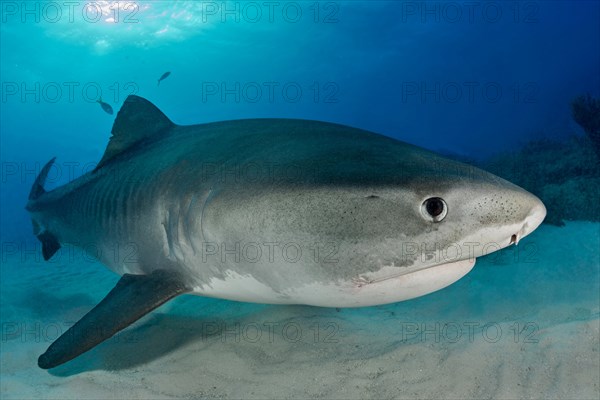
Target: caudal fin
38 186
50 244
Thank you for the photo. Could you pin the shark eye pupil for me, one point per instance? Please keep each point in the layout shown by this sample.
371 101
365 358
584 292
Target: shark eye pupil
434 209
435 206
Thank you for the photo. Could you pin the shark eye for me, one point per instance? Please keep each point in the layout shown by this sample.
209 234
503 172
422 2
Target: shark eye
434 209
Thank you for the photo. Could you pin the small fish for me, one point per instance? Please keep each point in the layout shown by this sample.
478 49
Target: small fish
105 106
163 77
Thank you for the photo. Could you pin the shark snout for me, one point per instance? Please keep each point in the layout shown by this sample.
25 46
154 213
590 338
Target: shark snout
534 218
504 217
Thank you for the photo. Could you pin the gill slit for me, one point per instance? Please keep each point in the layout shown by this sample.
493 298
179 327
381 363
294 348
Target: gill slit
202 232
187 224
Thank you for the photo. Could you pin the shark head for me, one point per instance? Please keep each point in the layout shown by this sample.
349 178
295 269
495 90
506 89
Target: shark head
364 219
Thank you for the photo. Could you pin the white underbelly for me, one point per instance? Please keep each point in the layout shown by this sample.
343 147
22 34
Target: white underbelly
358 293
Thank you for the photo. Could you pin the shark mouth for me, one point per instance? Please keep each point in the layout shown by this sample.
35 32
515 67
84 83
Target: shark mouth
406 285
445 270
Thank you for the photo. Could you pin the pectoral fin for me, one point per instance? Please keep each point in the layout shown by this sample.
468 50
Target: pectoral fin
133 297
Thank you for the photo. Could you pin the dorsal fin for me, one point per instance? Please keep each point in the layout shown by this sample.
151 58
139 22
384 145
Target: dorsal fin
136 121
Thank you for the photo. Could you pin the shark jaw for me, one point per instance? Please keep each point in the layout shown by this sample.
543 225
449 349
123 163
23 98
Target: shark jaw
361 292
408 285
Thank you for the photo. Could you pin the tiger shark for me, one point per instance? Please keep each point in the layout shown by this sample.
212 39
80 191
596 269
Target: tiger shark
277 211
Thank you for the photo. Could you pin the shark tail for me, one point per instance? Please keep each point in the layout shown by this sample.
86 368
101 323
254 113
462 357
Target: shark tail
50 244
38 185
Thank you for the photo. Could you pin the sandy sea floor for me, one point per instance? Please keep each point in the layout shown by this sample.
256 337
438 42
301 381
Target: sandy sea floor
525 323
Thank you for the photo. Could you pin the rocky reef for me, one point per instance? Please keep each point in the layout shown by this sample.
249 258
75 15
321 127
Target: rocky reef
586 112
564 174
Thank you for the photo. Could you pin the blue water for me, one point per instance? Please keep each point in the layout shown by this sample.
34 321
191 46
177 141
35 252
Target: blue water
471 87
468 80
